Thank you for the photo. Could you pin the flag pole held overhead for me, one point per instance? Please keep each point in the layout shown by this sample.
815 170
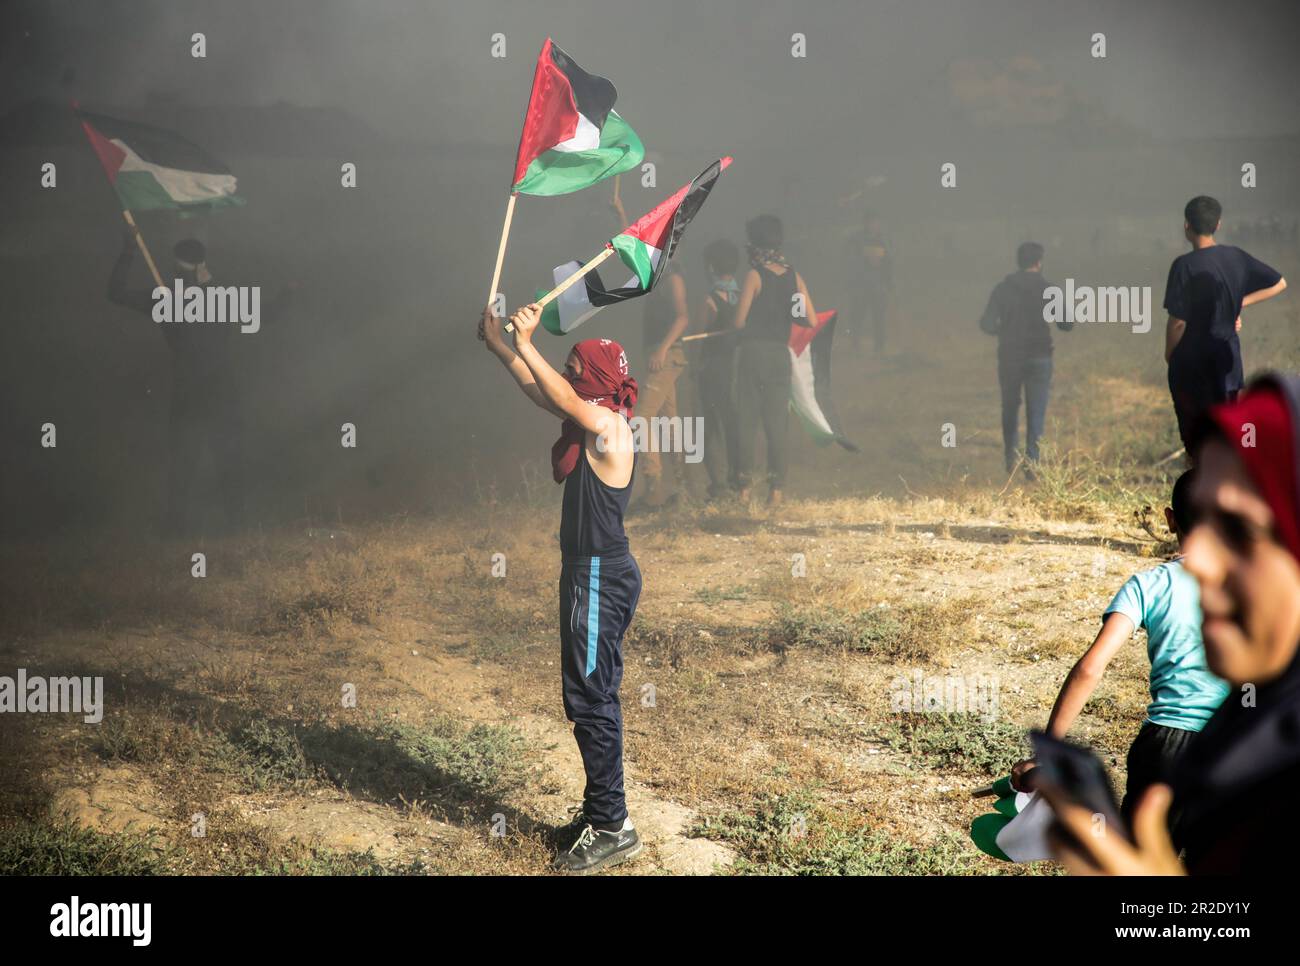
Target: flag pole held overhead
501 249
556 292
564 286
572 138
144 249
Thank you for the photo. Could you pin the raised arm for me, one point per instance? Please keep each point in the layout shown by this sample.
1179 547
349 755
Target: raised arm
555 389
489 331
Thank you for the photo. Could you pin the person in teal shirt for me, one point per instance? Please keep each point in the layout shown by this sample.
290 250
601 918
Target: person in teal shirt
1165 601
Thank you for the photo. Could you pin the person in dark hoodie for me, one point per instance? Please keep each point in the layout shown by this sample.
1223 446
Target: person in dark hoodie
1236 790
1015 315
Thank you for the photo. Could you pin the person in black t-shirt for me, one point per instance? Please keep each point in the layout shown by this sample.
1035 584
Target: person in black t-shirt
1206 291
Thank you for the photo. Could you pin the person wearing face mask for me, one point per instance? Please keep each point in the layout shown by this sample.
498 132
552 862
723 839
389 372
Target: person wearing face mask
1236 788
600 582
206 411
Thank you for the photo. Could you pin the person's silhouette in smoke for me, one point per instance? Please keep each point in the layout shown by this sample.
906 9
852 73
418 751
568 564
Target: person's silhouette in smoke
205 406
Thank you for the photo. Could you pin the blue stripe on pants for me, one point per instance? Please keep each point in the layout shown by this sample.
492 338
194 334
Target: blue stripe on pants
593 614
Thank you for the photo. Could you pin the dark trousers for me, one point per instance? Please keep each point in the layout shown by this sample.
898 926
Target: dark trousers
1192 397
721 432
1151 759
762 396
205 415
1033 377
598 596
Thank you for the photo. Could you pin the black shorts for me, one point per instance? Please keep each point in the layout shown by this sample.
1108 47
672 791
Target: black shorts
1151 759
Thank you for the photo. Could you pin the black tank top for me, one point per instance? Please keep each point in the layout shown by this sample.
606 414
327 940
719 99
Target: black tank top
772 311
591 521
719 349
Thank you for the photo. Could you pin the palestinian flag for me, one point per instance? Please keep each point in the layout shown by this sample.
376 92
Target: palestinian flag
572 135
579 302
152 168
646 246
810 383
1016 830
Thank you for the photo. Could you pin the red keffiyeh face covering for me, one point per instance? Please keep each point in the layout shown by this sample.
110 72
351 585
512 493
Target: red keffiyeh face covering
1268 453
605 381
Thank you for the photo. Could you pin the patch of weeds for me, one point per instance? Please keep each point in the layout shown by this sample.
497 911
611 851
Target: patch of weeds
965 743
716 595
321 861
146 736
483 759
65 848
262 755
912 632
790 835
441 760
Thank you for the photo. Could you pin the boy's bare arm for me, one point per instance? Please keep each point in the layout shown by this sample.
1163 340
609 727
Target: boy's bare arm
489 330
1174 330
1087 673
1264 293
554 387
747 293
681 321
1079 684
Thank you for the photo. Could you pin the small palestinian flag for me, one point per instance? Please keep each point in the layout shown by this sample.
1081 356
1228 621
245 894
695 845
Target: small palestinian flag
1016 831
153 168
810 383
644 247
579 302
572 135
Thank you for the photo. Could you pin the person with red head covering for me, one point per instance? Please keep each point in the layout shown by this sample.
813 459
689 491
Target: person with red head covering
600 582
1236 790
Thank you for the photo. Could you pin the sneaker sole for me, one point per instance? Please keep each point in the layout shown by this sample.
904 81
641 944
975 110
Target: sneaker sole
616 858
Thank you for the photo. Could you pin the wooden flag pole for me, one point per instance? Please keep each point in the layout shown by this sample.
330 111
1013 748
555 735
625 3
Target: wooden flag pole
144 249
707 335
559 290
501 248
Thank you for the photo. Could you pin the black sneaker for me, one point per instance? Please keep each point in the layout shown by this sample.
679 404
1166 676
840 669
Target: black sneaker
596 850
565 835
